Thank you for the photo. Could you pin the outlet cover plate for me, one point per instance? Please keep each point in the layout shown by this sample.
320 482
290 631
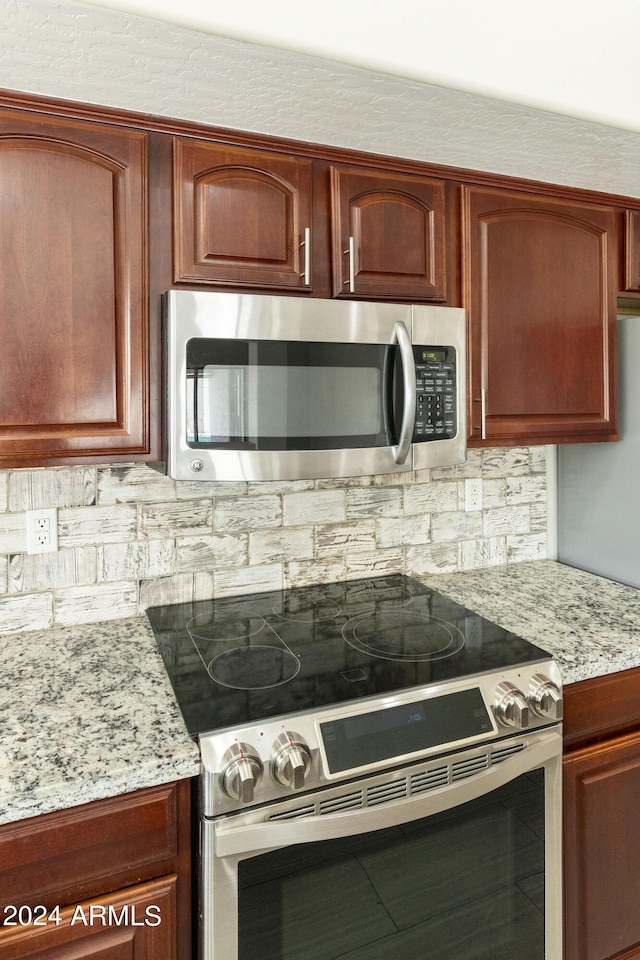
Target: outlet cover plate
473 493
42 530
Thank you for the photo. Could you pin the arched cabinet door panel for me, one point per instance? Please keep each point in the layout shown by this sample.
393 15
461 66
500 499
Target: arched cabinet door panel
242 217
73 312
540 284
388 235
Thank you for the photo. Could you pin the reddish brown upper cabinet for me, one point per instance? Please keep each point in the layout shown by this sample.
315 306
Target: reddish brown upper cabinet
74 308
540 285
388 235
631 262
242 217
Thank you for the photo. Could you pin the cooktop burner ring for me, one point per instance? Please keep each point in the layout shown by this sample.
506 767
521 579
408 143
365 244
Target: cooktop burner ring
403 636
266 666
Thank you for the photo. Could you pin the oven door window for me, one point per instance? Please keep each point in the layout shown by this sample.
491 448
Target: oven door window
467 884
286 395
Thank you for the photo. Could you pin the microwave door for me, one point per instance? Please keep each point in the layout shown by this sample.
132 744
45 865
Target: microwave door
298 409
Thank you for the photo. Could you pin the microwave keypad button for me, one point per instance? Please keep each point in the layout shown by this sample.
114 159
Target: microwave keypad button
435 399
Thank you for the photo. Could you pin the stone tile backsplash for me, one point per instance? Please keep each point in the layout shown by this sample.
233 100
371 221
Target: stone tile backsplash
130 538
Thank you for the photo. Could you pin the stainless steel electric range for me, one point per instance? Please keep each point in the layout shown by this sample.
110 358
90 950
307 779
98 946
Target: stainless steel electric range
342 727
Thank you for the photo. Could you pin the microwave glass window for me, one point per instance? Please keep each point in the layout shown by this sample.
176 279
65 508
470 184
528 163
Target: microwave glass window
320 401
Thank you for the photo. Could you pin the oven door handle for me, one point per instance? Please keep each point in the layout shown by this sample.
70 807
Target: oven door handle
245 840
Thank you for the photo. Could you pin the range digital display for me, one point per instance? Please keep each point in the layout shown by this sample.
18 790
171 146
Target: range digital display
368 738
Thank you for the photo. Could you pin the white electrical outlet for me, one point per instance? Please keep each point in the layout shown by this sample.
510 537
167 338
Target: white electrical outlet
473 493
42 530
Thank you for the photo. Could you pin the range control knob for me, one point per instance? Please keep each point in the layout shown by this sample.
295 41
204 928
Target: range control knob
511 706
291 760
241 772
545 698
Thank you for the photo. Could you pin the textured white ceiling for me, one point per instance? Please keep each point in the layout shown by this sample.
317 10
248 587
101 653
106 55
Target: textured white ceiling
574 57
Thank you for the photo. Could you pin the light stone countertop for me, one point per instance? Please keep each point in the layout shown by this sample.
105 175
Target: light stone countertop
590 625
86 712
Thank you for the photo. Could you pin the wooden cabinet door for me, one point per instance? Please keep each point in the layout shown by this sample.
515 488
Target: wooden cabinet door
631 264
540 287
242 217
134 924
73 311
602 850
388 235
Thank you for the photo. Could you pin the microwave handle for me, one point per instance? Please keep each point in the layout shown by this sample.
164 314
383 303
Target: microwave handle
400 452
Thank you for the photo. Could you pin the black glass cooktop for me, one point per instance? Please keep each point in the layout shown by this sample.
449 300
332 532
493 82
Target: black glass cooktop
239 659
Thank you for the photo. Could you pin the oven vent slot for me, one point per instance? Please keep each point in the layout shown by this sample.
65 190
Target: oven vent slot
429 779
385 792
467 768
307 811
498 754
344 802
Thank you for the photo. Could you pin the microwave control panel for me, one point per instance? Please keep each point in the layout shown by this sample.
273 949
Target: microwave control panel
436 393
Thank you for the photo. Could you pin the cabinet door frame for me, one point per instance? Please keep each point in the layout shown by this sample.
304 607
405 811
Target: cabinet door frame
483 208
139 921
358 194
601 856
113 421
200 167
631 264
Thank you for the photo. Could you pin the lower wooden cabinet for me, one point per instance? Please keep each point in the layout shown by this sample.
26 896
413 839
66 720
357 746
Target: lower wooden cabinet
108 879
602 820
136 923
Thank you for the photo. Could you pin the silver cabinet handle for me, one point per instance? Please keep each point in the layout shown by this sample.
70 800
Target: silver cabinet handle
409 381
482 400
306 243
351 253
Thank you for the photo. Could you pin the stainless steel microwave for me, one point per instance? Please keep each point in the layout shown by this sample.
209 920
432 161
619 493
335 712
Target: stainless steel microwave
286 388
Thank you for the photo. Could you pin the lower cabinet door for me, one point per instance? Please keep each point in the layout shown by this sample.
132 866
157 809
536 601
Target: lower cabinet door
602 850
134 924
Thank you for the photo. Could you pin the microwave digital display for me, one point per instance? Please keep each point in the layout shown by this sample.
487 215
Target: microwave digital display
439 356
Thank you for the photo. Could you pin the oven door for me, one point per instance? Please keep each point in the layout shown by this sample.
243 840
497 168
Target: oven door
457 858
